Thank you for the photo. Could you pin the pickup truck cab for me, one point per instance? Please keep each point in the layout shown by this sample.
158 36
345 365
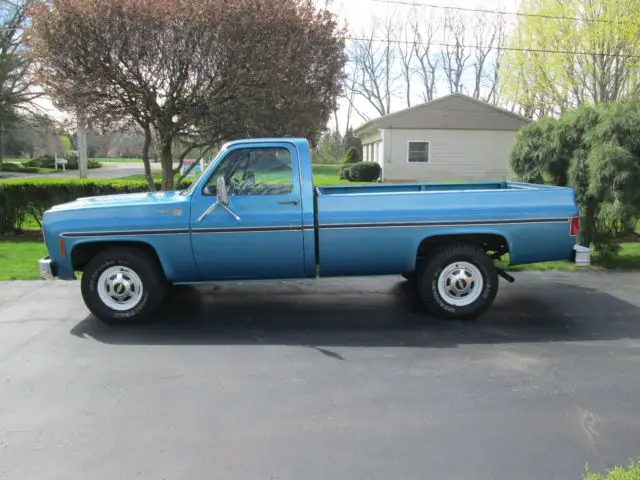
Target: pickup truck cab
255 214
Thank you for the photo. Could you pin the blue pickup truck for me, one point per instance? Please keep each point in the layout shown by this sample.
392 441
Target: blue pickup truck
255 214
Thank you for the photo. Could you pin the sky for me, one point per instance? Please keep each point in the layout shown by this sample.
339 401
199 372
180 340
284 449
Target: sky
358 15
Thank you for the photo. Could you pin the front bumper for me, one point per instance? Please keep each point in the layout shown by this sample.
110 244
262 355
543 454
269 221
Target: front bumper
45 266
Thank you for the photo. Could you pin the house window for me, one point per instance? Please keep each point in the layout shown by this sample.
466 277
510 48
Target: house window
418 152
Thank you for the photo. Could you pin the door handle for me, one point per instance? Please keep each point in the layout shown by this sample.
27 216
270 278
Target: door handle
288 202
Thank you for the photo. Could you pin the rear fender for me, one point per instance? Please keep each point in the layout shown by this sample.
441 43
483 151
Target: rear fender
493 239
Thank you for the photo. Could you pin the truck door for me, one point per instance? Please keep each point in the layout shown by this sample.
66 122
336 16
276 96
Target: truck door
260 235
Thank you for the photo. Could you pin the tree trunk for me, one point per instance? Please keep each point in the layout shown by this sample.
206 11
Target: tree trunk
145 160
166 161
588 223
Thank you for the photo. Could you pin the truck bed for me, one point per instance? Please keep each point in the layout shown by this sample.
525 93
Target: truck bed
386 188
377 229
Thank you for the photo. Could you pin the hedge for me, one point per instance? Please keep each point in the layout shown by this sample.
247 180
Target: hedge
361 172
21 200
16 167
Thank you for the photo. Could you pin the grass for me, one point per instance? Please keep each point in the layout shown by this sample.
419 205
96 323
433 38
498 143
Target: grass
322 175
16 159
117 160
19 256
18 163
628 259
618 472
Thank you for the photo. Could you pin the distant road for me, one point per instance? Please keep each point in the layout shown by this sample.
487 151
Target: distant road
108 170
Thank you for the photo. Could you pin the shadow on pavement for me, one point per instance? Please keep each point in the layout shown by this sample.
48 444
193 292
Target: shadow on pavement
378 314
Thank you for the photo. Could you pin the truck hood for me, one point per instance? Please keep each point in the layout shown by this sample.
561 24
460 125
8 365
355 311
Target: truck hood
120 200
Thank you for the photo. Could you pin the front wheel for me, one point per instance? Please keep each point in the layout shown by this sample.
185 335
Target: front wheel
458 282
122 286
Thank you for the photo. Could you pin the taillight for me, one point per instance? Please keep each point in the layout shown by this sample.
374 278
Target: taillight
574 226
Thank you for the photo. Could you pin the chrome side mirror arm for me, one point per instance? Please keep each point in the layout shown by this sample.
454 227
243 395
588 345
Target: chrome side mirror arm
223 201
206 213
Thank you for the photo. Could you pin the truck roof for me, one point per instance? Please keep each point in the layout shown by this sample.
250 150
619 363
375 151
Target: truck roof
297 141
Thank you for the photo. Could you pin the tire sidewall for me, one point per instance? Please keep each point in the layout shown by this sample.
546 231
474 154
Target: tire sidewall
437 304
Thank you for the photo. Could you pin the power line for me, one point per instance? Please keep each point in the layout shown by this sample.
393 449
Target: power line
488 47
500 12
12 3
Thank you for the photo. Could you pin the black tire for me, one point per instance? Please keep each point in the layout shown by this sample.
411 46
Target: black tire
153 281
441 259
410 276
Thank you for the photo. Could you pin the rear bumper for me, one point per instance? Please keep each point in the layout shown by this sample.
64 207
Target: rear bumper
46 268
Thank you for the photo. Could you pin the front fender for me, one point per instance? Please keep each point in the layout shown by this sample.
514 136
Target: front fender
172 251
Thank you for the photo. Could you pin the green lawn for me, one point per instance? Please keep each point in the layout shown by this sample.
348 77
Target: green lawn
629 259
117 160
19 256
322 175
19 162
16 159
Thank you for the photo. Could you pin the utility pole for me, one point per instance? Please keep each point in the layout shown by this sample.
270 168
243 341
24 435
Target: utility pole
82 145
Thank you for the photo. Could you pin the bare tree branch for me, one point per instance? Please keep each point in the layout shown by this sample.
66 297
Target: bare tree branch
373 63
457 54
424 29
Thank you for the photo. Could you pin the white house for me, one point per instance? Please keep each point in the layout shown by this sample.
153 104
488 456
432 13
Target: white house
454 137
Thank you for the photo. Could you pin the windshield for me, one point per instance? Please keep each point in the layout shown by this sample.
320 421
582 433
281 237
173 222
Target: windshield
189 189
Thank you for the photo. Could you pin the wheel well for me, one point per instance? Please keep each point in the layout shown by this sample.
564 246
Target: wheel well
83 253
493 244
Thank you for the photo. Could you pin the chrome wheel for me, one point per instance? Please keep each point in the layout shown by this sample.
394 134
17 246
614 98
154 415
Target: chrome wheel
120 288
460 284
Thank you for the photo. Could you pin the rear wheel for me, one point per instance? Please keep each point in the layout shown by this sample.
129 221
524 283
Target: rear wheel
123 286
458 281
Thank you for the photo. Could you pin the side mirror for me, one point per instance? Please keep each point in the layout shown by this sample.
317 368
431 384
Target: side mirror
222 200
222 191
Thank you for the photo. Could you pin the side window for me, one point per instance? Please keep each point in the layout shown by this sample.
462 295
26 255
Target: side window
255 171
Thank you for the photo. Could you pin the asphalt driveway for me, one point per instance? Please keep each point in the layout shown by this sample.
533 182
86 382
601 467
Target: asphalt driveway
339 379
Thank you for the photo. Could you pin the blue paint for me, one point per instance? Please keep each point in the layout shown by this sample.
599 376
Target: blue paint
361 230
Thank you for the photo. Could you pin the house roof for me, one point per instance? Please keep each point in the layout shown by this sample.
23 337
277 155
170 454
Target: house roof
456 111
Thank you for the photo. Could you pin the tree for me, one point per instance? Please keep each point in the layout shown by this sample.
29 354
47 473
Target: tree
351 141
329 148
595 150
352 156
406 40
488 35
192 72
570 53
456 53
373 57
17 90
428 62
